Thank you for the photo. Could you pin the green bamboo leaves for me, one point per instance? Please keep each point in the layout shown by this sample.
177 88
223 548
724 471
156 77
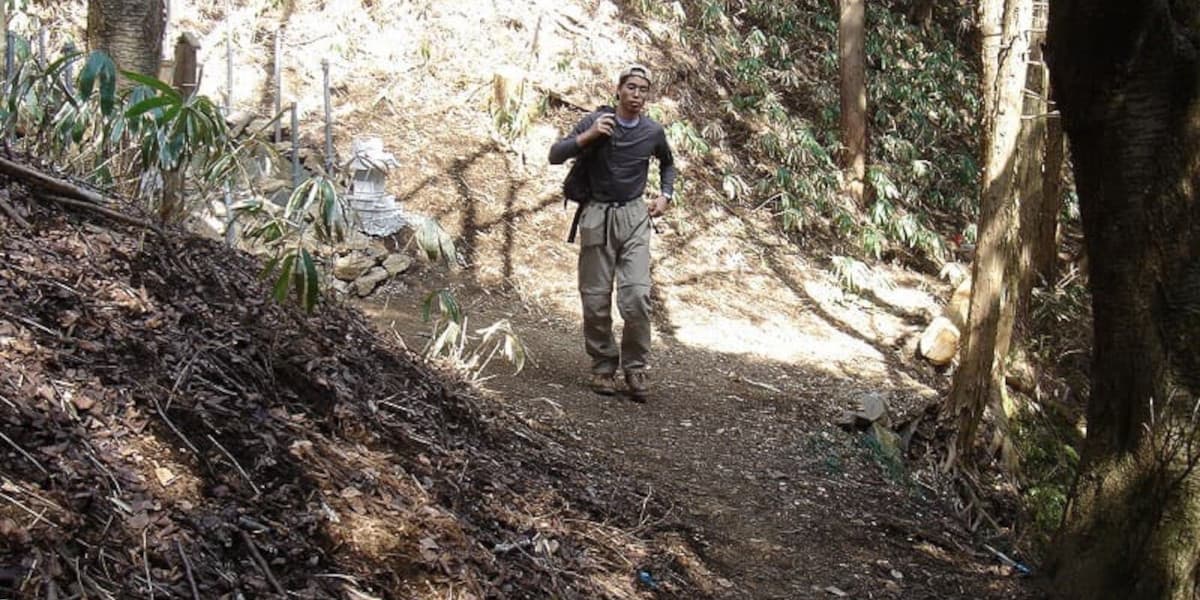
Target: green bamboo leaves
315 212
100 69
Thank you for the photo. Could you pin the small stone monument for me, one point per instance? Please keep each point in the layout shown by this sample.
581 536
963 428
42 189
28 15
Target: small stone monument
378 211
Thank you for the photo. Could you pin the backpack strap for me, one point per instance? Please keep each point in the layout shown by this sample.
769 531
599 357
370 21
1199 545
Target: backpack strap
574 222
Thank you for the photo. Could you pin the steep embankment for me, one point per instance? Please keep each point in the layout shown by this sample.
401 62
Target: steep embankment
168 431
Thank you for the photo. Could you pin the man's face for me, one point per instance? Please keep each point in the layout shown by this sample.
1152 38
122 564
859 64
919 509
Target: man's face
633 93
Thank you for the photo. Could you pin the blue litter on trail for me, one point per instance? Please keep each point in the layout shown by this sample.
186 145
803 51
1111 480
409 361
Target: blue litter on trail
647 579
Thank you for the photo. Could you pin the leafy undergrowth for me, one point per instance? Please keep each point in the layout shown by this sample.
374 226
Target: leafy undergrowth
168 431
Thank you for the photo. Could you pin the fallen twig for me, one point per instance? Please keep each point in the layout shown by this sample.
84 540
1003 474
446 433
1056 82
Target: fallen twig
108 212
235 464
36 178
33 324
37 517
262 564
25 454
765 386
187 567
1008 561
146 563
8 486
12 213
645 502
163 413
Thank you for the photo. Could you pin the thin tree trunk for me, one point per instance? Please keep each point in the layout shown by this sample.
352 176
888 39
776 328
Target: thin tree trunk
921 13
1045 258
979 382
853 66
1127 79
1030 174
4 34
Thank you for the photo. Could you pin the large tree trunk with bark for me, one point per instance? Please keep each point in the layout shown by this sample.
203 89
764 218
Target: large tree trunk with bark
130 31
852 62
1127 79
979 381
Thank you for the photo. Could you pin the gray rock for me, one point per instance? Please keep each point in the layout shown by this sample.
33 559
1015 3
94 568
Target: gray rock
872 411
353 266
340 286
363 286
396 264
874 407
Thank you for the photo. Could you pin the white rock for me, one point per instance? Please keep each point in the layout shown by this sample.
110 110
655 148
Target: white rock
939 342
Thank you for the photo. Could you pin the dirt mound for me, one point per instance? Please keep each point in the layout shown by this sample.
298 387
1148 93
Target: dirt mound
168 431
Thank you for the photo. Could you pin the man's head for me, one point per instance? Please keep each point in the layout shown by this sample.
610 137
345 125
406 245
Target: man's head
633 88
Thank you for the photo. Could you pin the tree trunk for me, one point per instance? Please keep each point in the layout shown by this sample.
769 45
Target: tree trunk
1127 79
130 31
921 13
852 62
1030 177
1045 259
979 381
4 36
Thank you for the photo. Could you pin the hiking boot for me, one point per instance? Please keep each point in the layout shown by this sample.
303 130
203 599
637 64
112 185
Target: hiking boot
604 384
637 385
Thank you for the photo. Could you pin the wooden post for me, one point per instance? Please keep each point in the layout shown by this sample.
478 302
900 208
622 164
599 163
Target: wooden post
185 78
278 85
295 147
228 59
328 122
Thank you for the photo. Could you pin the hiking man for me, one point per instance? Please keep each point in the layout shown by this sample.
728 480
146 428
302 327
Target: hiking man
614 224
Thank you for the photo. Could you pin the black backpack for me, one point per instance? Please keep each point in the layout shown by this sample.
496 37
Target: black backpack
577 186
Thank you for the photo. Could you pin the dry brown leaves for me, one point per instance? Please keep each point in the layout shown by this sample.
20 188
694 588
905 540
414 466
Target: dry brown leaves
168 431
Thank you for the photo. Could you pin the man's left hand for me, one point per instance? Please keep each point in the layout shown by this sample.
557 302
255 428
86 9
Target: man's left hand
658 205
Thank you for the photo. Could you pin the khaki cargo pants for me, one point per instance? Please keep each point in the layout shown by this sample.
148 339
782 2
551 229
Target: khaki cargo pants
614 244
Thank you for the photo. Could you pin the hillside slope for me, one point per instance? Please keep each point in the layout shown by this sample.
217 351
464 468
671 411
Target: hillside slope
171 432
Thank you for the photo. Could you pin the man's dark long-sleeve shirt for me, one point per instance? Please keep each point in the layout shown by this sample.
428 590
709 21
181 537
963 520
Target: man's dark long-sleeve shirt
621 162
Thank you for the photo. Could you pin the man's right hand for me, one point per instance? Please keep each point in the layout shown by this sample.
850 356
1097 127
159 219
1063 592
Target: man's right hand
603 126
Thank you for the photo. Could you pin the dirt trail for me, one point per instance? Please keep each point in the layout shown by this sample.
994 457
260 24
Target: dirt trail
783 503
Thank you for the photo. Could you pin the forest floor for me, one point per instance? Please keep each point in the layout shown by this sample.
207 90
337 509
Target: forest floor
164 424
743 448
170 432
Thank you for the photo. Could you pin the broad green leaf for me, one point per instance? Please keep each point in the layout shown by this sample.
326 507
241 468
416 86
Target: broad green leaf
445 303
171 114
155 83
282 283
268 232
311 284
269 267
100 68
145 106
297 199
56 67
